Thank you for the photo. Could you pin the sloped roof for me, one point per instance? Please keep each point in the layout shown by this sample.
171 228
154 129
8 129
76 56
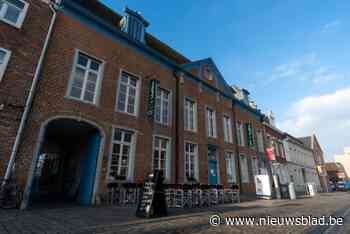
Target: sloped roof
114 18
220 79
307 141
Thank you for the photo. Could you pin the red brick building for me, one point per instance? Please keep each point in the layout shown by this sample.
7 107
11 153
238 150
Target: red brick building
113 103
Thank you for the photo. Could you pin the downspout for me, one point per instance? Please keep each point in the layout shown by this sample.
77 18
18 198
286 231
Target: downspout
30 98
177 127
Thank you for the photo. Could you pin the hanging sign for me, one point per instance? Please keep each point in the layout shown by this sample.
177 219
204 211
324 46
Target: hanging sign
270 154
152 98
250 134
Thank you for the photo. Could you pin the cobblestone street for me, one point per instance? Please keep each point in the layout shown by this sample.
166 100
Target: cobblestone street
122 220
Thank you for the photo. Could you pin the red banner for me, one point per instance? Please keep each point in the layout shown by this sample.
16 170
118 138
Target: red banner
270 154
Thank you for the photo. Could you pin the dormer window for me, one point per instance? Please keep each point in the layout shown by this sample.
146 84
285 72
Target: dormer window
207 73
134 25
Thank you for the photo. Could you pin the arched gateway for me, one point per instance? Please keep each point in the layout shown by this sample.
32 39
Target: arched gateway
65 166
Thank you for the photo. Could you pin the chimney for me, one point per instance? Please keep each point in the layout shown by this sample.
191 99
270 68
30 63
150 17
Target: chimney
271 118
134 25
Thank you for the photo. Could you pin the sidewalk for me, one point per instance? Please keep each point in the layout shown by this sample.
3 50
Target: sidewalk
103 218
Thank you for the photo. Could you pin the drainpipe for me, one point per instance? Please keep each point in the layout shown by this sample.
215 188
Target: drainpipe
179 82
30 98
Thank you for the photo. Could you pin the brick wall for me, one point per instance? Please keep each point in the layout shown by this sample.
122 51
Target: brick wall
50 101
26 45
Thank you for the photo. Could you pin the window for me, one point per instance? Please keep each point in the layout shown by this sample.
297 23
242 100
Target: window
211 123
244 169
122 148
191 169
86 78
240 134
132 25
161 155
190 115
260 141
227 130
128 93
162 106
255 166
282 150
230 167
13 12
4 58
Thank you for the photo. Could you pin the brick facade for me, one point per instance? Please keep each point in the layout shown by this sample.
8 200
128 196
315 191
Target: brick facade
74 31
25 44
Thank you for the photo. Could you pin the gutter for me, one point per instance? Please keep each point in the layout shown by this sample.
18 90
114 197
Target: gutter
179 80
30 98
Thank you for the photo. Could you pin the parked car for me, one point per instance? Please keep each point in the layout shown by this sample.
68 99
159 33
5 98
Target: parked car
340 186
332 186
347 185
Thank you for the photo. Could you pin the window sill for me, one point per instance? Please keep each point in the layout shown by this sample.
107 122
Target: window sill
191 131
110 181
162 124
17 26
212 137
126 113
79 100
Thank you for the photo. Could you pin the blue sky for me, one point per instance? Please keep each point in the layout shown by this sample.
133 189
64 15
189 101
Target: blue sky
291 55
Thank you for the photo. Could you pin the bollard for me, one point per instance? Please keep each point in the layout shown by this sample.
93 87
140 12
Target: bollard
291 190
278 191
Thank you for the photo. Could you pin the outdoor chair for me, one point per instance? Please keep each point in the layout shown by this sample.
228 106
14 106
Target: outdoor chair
187 195
204 195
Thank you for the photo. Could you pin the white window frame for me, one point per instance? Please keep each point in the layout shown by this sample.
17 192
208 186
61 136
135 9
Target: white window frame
244 168
131 163
228 138
230 161
260 141
21 16
168 156
137 95
255 166
196 160
3 66
240 133
159 89
208 125
187 115
98 82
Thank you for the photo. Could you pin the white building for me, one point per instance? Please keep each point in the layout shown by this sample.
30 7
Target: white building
301 167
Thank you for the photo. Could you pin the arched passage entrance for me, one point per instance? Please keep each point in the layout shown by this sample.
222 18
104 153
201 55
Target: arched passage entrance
66 164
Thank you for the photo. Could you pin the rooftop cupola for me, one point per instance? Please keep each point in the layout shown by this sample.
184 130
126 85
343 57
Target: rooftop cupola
134 25
246 96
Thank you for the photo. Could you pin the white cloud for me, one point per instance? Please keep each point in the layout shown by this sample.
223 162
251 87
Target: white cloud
328 116
305 68
330 26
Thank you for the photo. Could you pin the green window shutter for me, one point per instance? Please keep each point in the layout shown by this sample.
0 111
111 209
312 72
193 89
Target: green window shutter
152 97
250 136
